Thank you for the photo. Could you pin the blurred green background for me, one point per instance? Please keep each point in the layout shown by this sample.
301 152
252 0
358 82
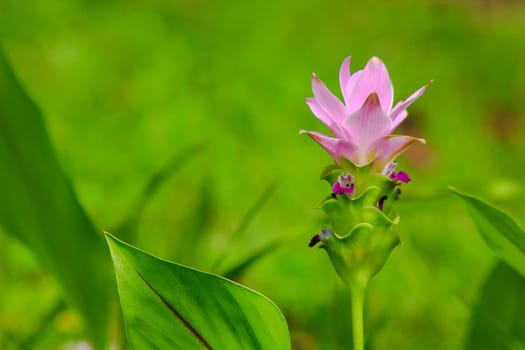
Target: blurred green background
126 85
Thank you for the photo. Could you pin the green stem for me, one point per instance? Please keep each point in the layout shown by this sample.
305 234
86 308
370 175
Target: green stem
357 294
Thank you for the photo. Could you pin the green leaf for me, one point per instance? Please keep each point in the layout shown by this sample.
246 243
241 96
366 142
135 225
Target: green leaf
169 306
497 321
503 235
38 206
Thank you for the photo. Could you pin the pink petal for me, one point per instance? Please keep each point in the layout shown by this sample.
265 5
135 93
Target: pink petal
349 88
328 101
327 142
374 79
398 113
319 112
344 76
335 147
391 147
398 119
347 150
367 124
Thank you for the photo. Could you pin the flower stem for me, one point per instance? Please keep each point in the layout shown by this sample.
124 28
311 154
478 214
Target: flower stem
357 294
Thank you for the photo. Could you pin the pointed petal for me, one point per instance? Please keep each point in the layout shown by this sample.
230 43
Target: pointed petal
389 148
368 124
347 150
328 101
350 85
374 79
398 119
319 112
344 76
335 147
398 113
327 142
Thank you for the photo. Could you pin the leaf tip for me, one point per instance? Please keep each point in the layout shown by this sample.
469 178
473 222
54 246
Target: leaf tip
110 238
457 192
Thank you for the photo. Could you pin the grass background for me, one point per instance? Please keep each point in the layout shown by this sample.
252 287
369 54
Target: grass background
125 85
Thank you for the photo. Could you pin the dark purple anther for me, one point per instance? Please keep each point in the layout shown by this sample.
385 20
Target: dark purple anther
325 233
315 239
381 202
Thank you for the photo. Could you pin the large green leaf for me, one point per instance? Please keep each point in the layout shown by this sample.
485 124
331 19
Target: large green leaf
498 321
504 236
38 206
169 306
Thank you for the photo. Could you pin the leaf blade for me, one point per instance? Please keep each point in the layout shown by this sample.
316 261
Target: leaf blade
226 315
38 206
503 235
245 222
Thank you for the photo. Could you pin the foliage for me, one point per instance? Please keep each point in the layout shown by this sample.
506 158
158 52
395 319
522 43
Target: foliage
169 306
125 86
497 320
39 207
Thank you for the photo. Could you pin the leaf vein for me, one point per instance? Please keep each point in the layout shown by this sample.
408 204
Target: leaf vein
185 322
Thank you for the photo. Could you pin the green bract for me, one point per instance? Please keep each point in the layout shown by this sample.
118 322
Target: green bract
361 239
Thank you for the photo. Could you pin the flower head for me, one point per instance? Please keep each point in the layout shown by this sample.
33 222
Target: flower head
362 126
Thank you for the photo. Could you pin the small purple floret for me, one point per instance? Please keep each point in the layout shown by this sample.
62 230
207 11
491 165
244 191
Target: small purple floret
400 176
338 189
344 184
390 172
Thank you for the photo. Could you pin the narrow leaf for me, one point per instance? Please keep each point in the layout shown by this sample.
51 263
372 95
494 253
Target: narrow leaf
128 228
169 306
38 206
184 246
503 235
236 272
246 220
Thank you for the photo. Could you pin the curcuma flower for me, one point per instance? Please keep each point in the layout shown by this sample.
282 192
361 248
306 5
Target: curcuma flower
359 235
362 126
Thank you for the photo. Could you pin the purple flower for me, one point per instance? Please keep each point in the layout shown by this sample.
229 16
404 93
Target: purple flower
400 176
390 172
363 124
344 184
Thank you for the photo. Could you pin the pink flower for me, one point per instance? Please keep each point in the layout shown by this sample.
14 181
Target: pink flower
363 124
